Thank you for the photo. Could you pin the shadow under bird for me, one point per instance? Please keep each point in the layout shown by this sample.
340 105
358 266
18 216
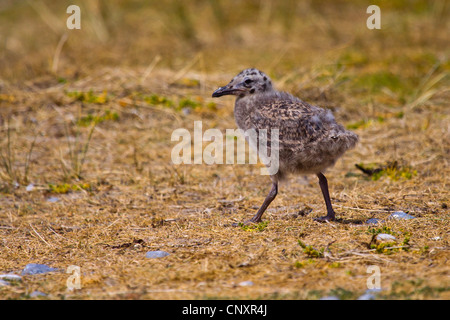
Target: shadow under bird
309 138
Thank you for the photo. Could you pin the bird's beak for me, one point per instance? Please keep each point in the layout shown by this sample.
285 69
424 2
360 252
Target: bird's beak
222 91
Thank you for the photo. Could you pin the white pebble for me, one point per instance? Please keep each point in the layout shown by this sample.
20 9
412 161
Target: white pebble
10 277
400 215
385 237
246 283
156 254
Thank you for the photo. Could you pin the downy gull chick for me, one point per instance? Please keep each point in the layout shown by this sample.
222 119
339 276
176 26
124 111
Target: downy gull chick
309 138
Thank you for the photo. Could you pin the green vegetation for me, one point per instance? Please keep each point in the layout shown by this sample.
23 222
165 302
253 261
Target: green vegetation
375 231
90 119
392 170
78 147
89 97
66 188
155 99
310 251
389 247
261 226
188 103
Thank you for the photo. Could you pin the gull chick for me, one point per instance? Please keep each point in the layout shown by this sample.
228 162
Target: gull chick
309 138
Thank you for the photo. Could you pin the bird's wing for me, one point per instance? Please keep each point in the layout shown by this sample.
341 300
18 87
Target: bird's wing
298 123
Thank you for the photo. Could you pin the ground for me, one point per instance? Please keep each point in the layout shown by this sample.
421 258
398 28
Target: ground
86 173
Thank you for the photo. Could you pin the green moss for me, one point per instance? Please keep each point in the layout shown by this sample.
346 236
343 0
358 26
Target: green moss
334 265
391 246
374 82
353 58
89 97
254 227
364 123
211 106
304 263
385 247
376 231
187 103
343 294
392 170
155 99
66 188
310 251
91 119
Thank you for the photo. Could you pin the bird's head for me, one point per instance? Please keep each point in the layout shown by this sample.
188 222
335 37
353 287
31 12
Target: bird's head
246 83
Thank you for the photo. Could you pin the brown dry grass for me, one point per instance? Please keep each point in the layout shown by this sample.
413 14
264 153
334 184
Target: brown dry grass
391 86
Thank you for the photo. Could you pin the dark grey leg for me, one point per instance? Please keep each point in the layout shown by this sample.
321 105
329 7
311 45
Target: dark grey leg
272 194
326 195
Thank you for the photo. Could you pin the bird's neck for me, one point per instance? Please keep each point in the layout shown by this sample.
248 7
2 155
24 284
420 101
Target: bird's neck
246 105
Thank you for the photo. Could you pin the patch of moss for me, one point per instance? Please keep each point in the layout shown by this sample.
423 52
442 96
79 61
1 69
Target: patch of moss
375 82
390 246
89 96
353 58
96 119
376 231
188 103
364 123
254 227
310 251
155 99
392 170
66 188
334 265
343 294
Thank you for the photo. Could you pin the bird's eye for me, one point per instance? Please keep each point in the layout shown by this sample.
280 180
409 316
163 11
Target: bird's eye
248 81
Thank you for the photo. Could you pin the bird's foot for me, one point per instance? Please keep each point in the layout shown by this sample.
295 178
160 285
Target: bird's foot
250 222
328 217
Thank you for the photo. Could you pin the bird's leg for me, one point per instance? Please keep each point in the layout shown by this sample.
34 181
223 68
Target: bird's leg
326 195
272 194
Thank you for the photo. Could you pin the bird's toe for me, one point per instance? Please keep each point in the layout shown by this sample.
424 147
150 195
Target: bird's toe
325 218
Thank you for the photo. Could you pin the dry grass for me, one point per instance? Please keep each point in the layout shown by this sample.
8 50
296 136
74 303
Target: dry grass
93 129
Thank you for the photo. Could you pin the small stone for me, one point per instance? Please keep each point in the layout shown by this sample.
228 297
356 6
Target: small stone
10 277
436 238
400 215
156 254
53 199
385 237
36 293
35 268
373 221
246 284
367 296
370 294
30 187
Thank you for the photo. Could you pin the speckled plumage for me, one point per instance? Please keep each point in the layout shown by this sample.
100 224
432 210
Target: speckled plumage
310 140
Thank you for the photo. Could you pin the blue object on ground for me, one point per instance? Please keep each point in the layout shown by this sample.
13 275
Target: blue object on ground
373 221
35 268
156 254
400 215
